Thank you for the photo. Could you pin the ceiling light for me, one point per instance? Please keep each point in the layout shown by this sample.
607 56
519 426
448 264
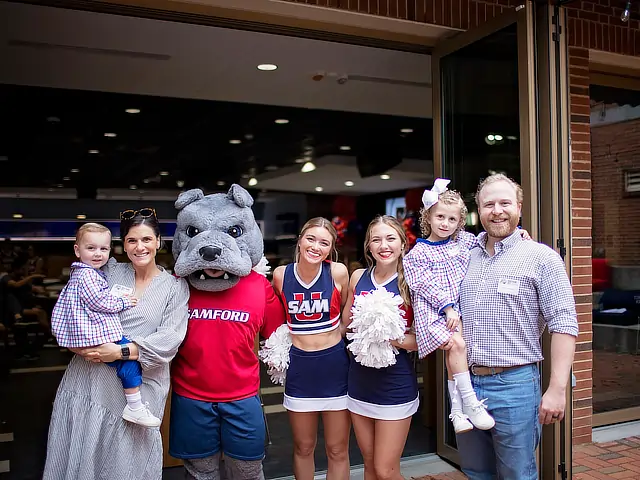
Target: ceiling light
110 135
267 67
349 183
132 187
491 137
385 176
498 137
308 167
60 185
220 183
66 179
282 121
300 160
252 182
511 137
94 151
17 215
164 173
81 216
406 130
179 183
146 180
53 120
235 141
271 168
319 189
75 170
132 110
345 148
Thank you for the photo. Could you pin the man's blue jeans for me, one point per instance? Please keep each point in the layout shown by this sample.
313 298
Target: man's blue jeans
507 451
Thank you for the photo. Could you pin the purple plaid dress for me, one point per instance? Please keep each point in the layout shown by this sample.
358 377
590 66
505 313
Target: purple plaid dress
434 272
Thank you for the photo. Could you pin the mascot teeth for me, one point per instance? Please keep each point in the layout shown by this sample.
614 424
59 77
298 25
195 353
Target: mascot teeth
202 277
226 276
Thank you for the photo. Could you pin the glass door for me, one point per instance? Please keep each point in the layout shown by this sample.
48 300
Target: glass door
484 122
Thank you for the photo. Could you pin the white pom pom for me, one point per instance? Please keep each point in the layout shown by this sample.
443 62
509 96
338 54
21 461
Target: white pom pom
376 320
274 352
262 267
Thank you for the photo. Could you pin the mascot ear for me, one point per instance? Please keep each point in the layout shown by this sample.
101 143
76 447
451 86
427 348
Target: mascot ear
190 196
240 196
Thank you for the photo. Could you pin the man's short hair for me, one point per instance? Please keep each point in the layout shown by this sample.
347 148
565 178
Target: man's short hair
500 177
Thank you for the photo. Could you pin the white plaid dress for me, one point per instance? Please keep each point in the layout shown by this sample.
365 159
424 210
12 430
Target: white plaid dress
434 272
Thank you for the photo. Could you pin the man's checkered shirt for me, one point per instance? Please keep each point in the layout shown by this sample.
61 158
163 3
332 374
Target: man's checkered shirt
508 299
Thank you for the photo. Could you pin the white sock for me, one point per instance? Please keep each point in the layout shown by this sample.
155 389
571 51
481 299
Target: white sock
454 396
465 387
134 400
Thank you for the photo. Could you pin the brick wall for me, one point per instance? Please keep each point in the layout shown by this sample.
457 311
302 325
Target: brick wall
614 149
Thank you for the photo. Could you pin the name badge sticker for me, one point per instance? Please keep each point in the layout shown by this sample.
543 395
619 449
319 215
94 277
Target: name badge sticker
508 286
120 290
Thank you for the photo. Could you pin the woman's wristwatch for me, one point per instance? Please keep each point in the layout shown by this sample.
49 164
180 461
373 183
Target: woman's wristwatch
124 349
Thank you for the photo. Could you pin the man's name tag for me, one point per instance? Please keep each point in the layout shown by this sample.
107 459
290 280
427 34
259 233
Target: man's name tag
509 286
121 290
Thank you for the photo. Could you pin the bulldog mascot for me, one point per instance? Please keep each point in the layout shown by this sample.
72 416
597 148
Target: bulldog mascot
215 408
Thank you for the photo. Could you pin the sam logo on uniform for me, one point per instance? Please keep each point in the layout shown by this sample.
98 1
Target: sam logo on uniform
308 310
218 314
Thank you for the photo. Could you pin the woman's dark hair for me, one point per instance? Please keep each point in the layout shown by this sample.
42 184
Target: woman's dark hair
137 220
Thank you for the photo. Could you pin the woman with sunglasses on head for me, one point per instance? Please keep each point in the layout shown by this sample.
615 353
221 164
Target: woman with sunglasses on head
383 400
314 289
88 436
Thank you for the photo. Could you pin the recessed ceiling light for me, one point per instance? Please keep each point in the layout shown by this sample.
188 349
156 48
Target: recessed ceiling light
133 187
406 130
308 167
252 182
132 110
60 185
75 170
17 215
267 67
94 151
110 135
235 141
81 216
498 137
282 121
385 176
179 183
146 180
66 179
220 183
271 168
511 137
300 160
244 175
53 119
345 148
164 173
319 189
349 183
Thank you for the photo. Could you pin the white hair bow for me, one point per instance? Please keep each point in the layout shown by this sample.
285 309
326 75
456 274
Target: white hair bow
430 197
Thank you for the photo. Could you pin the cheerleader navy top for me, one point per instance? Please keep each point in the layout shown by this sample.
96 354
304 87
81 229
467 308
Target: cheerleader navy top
311 308
373 390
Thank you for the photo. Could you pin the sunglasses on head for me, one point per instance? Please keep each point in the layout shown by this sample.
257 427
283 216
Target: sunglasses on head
143 212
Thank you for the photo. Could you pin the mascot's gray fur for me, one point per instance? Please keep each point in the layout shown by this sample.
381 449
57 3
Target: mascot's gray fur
217 241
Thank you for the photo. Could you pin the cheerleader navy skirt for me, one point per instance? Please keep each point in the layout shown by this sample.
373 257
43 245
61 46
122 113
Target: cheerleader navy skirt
389 393
317 381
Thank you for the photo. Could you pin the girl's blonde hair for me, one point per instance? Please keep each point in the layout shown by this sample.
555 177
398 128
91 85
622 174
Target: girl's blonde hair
449 197
395 224
90 228
322 223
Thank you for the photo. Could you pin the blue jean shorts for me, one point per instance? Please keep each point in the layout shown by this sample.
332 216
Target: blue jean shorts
200 429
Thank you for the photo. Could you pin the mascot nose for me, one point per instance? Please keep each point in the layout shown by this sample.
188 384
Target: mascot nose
210 253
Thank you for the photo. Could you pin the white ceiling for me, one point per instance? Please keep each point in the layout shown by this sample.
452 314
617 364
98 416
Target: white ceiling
54 47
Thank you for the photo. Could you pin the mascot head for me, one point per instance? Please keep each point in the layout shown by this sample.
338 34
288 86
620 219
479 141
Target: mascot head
217 239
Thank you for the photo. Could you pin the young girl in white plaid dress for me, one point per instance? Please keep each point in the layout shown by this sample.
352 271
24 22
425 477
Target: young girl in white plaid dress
434 269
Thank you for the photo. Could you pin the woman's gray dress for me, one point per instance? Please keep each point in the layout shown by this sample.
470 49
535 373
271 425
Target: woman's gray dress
88 439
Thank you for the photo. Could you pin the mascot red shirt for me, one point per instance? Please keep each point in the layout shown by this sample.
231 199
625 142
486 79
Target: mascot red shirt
215 407
216 362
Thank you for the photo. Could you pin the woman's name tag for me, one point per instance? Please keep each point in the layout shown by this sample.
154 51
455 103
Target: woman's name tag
121 291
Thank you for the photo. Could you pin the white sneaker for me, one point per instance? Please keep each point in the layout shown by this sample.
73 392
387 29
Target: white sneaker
461 423
142 416
478 415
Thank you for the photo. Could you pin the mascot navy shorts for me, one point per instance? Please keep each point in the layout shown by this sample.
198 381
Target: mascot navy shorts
317 381
201 429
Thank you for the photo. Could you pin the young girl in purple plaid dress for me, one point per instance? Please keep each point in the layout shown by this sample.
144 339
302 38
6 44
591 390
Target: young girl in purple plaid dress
87 314
434 269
